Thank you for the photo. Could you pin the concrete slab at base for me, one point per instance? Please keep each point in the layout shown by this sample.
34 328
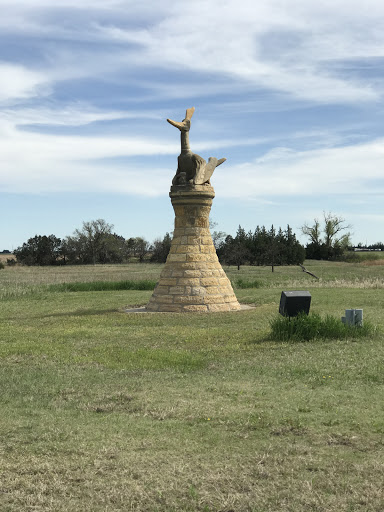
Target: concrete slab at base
143 309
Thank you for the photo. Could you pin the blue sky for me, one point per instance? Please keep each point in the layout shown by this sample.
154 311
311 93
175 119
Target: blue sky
291 93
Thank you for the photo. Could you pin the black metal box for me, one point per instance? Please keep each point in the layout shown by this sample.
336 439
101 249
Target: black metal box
293 303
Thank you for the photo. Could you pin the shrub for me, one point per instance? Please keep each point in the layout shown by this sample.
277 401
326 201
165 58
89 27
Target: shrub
243 284
357 257
311 327
1 265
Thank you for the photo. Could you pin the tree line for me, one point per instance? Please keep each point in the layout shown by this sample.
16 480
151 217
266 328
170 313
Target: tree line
94 243
97 243
266 247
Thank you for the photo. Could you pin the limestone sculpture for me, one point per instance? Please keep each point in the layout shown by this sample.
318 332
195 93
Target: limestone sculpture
192 280
192 168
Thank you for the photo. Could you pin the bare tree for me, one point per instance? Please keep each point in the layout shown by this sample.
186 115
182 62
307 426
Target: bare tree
334 231
330 240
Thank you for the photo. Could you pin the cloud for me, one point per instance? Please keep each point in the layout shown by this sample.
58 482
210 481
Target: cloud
18 82
74 114
308 54
265 45
33 162
300 51
344 170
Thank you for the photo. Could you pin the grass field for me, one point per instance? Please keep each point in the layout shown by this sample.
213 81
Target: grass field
107 411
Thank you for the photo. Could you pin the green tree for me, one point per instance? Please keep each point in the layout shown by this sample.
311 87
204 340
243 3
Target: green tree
235 250
39 250
139 247
160 249
94 243
262 247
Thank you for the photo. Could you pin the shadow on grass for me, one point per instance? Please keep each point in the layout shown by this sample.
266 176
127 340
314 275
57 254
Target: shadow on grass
81 312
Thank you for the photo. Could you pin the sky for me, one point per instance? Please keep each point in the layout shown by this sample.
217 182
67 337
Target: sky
290 92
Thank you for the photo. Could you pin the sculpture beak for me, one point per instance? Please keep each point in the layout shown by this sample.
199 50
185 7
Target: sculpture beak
180 126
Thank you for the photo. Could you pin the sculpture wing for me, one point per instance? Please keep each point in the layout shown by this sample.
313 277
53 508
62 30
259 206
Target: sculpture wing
207 172
199 164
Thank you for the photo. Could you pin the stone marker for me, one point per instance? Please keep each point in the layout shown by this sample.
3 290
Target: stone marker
192 279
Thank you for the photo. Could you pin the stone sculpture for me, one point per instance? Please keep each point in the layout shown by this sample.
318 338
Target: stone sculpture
192 168
192 279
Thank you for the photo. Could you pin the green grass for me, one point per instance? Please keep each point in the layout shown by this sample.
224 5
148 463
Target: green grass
104 410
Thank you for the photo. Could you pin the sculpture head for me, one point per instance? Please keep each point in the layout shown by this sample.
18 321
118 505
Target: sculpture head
185 124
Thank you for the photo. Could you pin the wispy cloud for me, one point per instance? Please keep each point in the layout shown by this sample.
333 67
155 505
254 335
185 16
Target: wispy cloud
19 83
282 172
293 50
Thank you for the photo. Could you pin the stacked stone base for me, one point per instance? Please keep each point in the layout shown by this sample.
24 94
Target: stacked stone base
192 279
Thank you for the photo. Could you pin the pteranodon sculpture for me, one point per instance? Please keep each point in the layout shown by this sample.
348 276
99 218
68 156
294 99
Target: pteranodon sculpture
192 168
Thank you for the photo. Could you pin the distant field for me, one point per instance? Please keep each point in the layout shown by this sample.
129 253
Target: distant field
365 274
104 410
4 257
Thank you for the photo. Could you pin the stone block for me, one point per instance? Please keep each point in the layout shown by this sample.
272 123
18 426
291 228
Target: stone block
187 299
198 290
176 257
206 240
178 232
179 210
166 272
177 272
188 281
176 290
188 249
205 272
161 290
171 308
196 257
164 299
213 290
195 308
192 273
188 265
217 308
194 239
214 299
201 222
168 281
211 258
208 281
192 231
201 265
207 249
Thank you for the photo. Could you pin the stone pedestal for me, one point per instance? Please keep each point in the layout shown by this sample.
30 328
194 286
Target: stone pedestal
192 279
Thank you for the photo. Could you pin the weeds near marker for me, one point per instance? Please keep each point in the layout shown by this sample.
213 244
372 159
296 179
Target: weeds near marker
313 326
